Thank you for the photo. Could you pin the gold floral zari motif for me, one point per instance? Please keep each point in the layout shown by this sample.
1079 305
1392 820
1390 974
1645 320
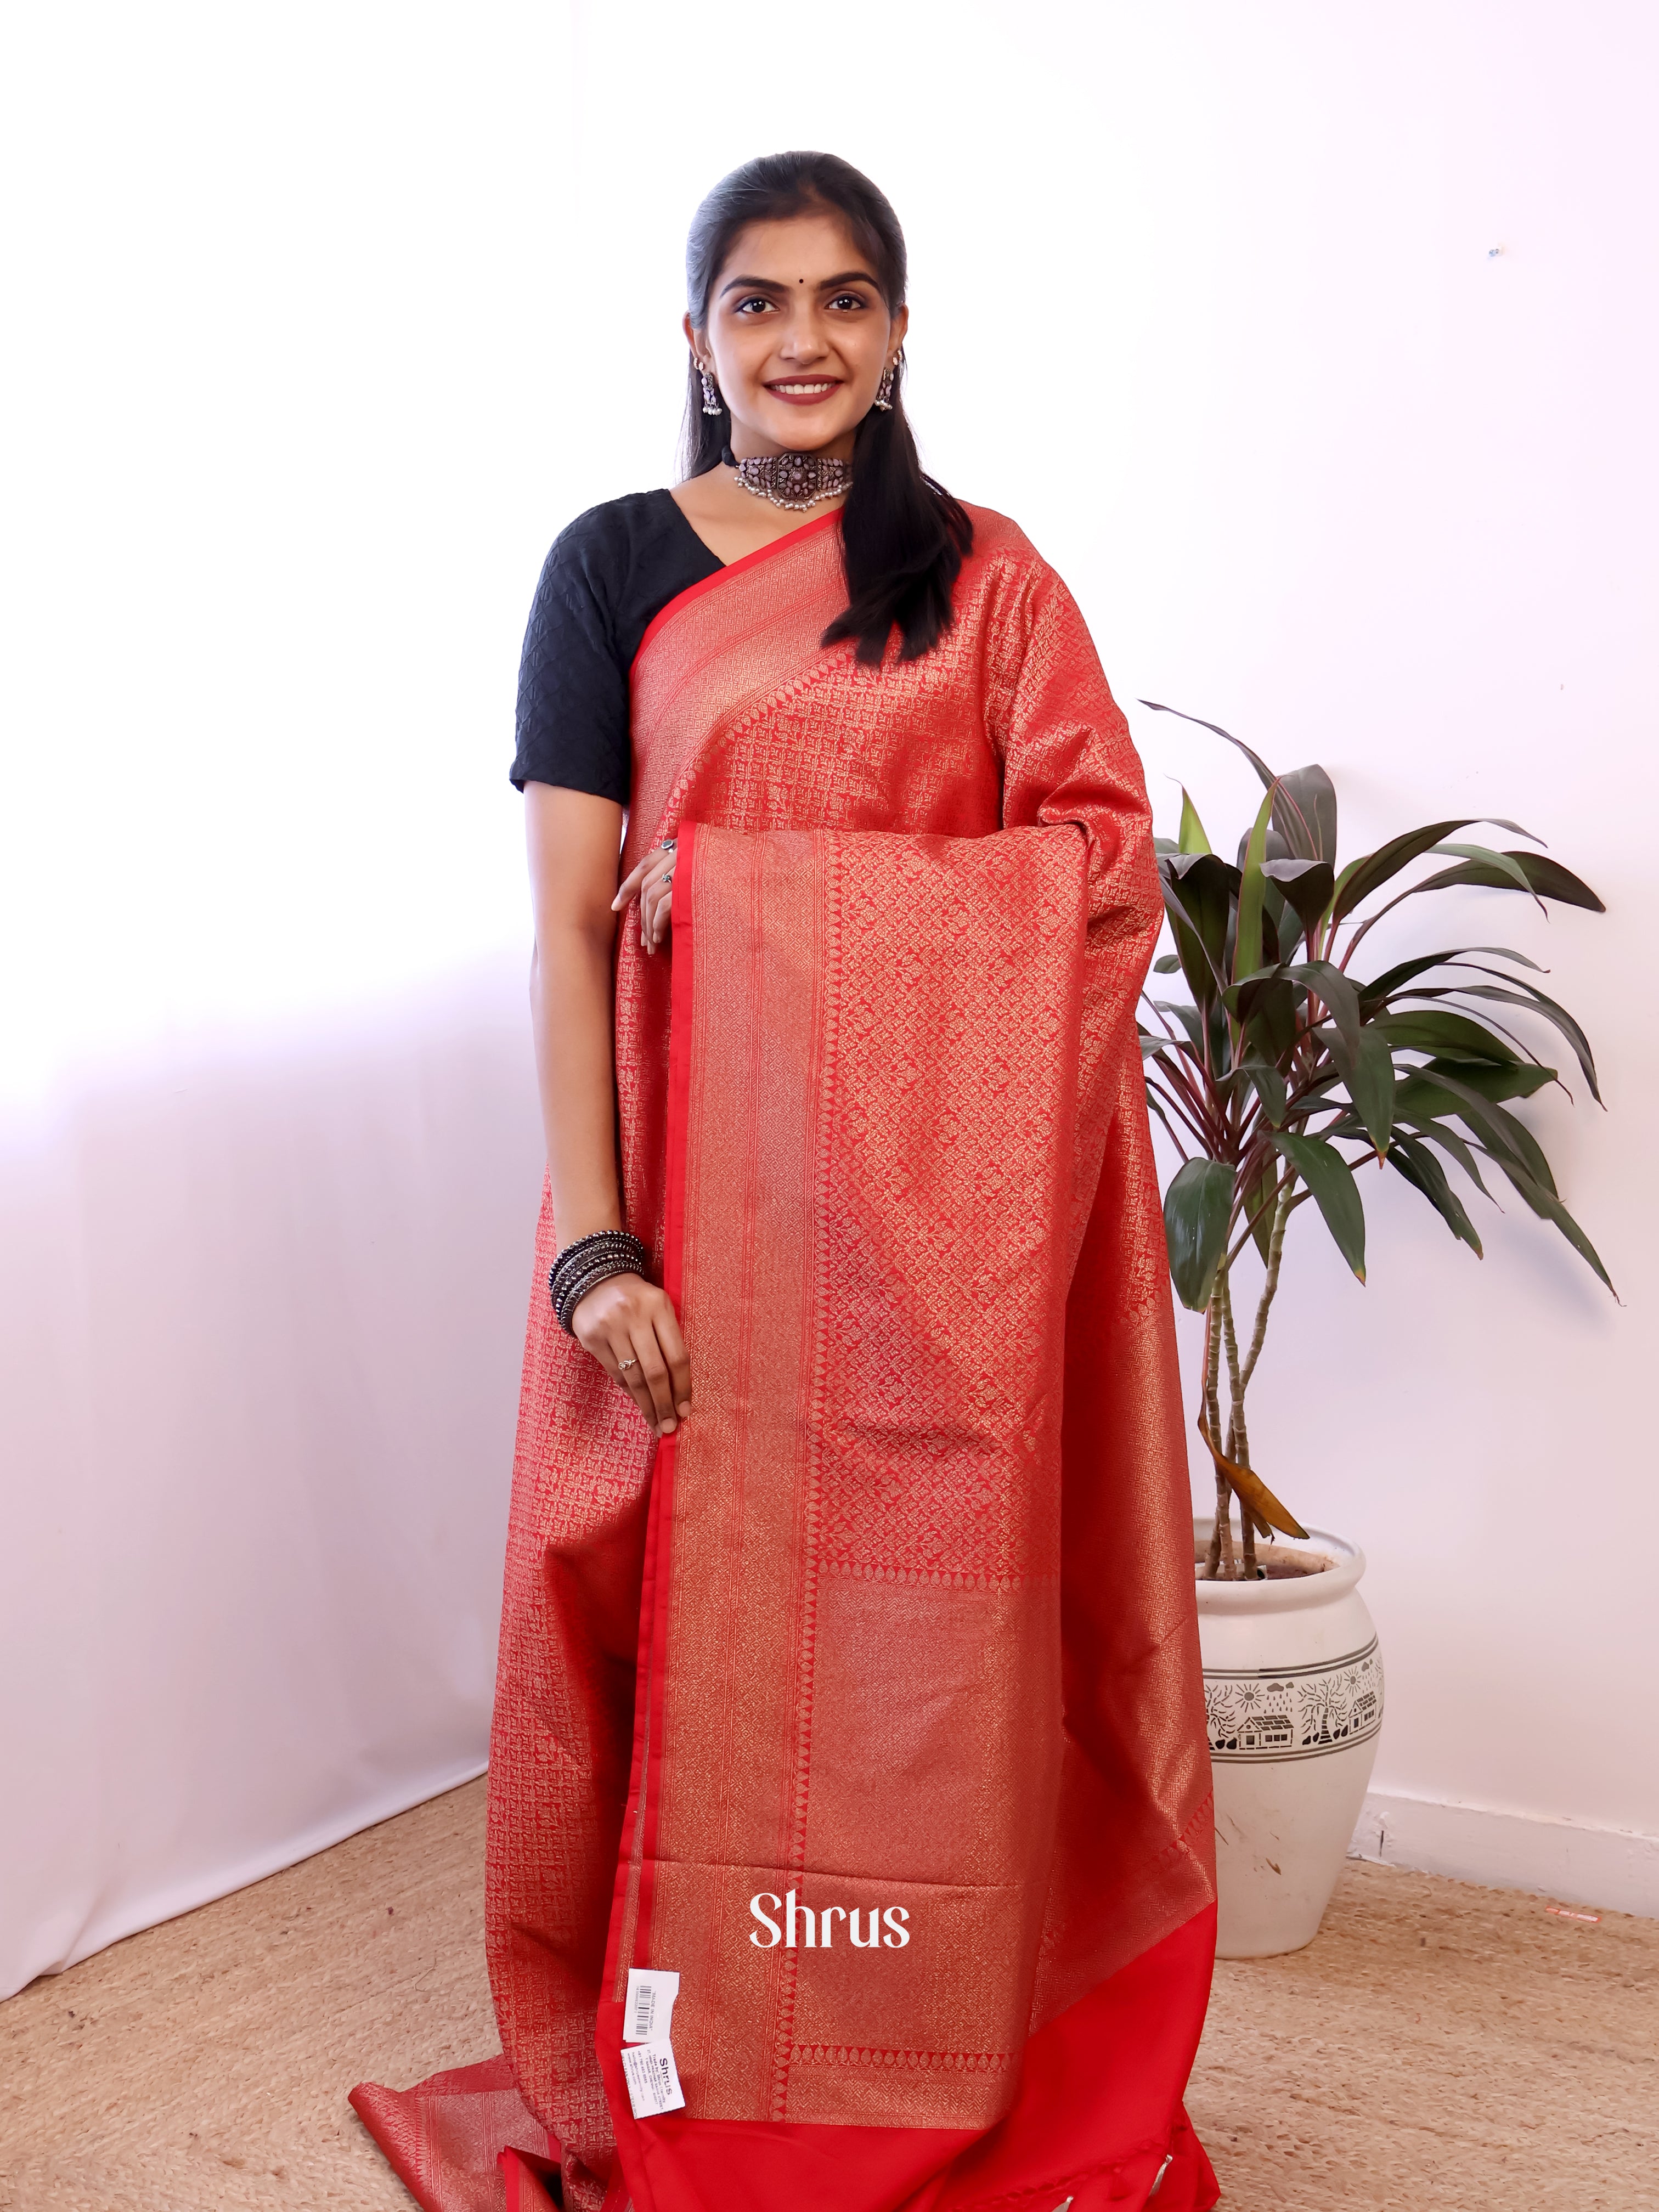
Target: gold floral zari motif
917 1615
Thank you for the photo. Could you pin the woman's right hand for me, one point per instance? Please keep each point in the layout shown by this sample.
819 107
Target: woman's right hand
625 1319
652 883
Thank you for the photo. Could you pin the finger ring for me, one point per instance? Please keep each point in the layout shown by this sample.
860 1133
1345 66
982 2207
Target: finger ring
622 1365
668 844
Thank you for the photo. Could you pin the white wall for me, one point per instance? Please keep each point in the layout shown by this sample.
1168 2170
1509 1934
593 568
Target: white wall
337 314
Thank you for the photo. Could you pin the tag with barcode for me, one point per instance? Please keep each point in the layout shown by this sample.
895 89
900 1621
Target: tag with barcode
654 2080
648 2013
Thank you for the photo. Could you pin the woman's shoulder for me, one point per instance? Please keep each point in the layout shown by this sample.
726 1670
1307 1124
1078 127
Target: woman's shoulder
998 538
613 531
1005 561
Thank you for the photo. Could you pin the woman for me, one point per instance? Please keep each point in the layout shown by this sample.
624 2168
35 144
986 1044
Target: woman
850 1836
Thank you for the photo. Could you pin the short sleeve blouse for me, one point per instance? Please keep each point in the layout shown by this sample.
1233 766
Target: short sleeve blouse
607 578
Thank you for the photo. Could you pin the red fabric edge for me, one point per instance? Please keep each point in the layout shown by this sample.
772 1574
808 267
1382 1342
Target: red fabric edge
391 2117
522 2177
682 950
731 568
647 1734
681 957
682 982
373 2106
637 1766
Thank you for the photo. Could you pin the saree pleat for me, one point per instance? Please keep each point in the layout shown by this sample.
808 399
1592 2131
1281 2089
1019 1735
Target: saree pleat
900 1627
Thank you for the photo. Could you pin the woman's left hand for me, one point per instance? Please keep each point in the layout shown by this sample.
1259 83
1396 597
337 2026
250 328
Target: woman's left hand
650 883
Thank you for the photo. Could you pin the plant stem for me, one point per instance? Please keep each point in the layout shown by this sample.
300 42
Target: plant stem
1238 1440
1224 1489
1300 1199
1222 1532
1194 1126
1275 1254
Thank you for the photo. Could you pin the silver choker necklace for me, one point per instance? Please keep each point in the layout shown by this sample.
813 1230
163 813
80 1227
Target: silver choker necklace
794 480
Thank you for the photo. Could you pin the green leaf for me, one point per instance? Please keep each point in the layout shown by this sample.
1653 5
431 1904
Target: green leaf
1269 1085
1363 877
1304 814
1259 1209
1247 945
1394 979
1166 963
1189 952
1192 838
1448 1035
1306 886
1187 1015
1507 1139
1441 1133
1418 1165
1273 913
1525 994
1154 1105
1548 1207
1495 1083
1371 1086
1199 890
1369 1077
1483 856
1546 879
1190 958
1241 995
1335 1193
1328 983
1196 1210
1268 1010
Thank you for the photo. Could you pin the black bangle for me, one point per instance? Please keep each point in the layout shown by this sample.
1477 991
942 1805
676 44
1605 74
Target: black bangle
572 1292
582 1267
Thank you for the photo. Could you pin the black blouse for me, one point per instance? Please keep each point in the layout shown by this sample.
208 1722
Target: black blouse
607 578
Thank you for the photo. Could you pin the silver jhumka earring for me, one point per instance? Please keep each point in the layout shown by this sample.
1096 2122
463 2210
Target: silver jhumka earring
712 402
888 378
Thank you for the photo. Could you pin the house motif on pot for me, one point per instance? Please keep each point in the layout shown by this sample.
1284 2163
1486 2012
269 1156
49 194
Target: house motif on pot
1266 1732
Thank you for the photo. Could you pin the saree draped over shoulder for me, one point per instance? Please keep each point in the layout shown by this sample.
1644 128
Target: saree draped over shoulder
868 1704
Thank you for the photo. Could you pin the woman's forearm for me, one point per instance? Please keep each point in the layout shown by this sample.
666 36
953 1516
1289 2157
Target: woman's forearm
625 1321
571 1018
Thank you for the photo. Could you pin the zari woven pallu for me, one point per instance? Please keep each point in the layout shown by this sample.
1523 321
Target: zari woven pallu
869 1704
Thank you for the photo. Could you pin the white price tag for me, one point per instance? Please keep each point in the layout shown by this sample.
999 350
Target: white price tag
648 2012
654 2080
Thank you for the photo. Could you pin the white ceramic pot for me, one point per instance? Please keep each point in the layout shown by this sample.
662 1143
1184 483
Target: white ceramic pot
1293 1685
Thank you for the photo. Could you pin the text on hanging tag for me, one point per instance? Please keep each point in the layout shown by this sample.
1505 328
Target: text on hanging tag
654 2080
648 2013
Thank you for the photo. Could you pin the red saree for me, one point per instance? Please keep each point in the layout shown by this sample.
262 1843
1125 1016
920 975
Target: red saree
891 1650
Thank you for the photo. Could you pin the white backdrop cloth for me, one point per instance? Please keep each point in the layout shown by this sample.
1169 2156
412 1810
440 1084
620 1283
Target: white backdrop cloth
262 1330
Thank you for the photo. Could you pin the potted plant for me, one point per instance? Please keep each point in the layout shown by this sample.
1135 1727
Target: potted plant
1293 1061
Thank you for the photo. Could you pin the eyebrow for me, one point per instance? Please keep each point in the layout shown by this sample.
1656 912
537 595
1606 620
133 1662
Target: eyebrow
771 284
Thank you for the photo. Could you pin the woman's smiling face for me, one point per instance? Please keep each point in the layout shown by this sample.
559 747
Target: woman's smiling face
798 337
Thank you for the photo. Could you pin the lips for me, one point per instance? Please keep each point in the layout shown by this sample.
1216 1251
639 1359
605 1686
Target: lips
805 390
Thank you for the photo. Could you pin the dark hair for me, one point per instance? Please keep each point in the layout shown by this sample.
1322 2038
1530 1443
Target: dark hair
904 538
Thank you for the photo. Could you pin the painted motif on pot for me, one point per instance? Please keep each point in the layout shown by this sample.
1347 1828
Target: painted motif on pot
1299 1713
